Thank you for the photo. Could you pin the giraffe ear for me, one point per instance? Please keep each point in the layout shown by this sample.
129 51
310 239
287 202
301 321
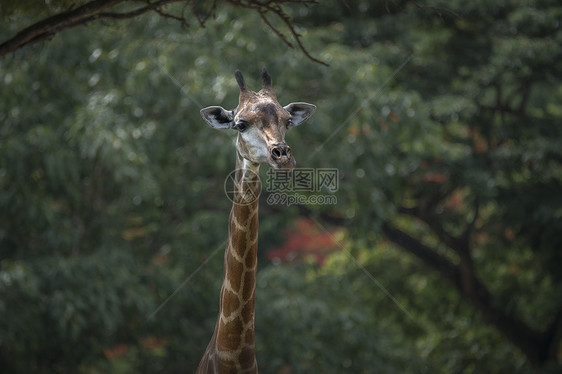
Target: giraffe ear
217 117
300 112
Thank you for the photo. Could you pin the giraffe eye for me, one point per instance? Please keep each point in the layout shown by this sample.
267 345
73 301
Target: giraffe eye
241 126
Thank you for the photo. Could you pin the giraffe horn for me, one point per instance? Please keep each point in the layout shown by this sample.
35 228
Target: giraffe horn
266 79
240 80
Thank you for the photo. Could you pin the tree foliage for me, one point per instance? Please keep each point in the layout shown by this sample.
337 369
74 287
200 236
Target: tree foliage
71 14
443 119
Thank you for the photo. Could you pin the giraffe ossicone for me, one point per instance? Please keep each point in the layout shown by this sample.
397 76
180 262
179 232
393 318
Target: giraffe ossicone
261 123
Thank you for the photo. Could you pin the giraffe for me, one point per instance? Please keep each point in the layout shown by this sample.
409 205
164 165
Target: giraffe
261 123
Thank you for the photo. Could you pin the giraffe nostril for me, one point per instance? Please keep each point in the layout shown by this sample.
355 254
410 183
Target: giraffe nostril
280 151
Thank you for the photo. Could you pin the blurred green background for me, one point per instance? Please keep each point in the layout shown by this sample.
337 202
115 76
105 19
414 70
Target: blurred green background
443 253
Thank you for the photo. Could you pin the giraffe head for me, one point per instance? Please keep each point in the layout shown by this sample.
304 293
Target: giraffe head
261 123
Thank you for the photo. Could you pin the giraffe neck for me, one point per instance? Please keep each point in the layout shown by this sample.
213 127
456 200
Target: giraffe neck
231 349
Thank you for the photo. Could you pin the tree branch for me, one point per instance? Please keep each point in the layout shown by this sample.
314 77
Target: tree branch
438 10
457 244
553 338
538 347
98 9
520 334
263 7
431 258
48 27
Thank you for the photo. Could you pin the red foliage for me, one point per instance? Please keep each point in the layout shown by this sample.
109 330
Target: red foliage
304 240
435 177
116 352
153 343
455 201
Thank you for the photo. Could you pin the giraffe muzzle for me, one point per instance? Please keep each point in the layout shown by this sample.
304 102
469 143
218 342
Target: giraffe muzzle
281 156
